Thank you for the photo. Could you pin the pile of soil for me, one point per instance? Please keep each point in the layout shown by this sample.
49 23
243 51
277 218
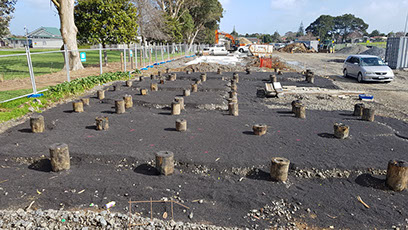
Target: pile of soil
376 51
296 48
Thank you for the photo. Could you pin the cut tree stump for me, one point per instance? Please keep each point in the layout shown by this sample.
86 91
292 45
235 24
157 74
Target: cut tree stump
194 88
233 109
397 175
300 111
101 94
186 92
78 106
59 155
129 83
358 109
203 77
85 101
181 101
260 129
102 123
143 92
37 123
341 131
368 114
273 78
181 125
154 87
165 162
120 106
128 101
279 168
175 108
235 77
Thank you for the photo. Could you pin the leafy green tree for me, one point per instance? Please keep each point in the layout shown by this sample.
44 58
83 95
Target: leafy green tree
267 38
234 32
375 33
106 22
301 30
6 9
276 37
322 27
348 23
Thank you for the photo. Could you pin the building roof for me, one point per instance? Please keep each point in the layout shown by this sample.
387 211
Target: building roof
46 32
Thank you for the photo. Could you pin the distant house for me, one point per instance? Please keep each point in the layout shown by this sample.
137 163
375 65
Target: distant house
254 40
16 42
355 37
46 37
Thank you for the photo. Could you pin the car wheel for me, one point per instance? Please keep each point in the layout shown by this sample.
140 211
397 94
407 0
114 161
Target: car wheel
360 78
241 50
345 73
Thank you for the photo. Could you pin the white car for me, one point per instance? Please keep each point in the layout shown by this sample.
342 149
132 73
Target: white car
218 51
243 49
367 68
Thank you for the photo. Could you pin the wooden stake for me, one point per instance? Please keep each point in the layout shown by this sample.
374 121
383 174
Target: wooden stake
219 71
153 77
101 94
172 77
59 155
234 86
397 175
300 111
165 162
279 168
233 109
203 77
129 83
260 129
248 71
78 106
273 78
143 92
181 125
37 123
194 88
159 73
358 109
235 77
294 103
102 123
128 101
233 94
341 131
175 108
181 100
120 106
368 114
186 92
85 101
154 87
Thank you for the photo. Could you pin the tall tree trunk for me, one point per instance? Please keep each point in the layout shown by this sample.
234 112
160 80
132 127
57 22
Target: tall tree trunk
69 32
105 54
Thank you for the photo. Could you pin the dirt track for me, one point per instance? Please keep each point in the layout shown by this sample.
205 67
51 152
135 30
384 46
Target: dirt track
218 159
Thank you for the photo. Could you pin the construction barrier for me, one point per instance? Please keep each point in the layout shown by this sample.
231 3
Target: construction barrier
266 62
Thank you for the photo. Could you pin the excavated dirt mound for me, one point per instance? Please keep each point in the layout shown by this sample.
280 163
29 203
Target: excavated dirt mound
352 50
296 48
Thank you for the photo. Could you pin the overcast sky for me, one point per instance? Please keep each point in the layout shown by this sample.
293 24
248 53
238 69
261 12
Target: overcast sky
251 16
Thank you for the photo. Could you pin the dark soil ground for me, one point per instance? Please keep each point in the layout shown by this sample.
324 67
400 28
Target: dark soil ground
219 160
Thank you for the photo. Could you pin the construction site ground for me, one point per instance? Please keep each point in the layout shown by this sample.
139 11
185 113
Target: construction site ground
222 169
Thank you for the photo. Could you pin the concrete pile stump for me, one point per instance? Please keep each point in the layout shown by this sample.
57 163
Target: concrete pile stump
172 77
260 129
154 87
128 101
59 155
279 168
78 106
358 109
233 109
101 94
181 125
120 106
85 101
175 108
194 88
300 111
186 92
341 131
203 77
235 77
143 92
397 175
294 103
368 114
273 78
102 123
181 101
129 83
165 162
37 123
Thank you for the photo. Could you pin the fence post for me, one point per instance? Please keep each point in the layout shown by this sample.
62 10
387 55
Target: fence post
135 56
100 59
155 51
168 52
30 69
161 51
124 57
67 62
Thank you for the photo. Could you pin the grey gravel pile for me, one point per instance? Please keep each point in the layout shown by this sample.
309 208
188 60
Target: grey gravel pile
376 51
53 219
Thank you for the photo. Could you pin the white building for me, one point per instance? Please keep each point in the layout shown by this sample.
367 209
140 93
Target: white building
45 37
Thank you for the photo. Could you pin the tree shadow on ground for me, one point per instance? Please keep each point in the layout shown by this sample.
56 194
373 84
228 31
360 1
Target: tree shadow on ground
43 165
146 169
259 174
367 180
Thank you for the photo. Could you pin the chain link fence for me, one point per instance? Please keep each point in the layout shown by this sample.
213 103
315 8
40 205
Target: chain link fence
29 72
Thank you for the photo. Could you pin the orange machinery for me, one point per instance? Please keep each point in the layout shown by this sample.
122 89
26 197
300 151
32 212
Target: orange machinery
234 43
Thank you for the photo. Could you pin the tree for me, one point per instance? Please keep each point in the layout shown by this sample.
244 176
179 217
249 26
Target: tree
69 31
301 30
106 22
375 33
6 9
266 38
322 27
348 23
151 21
276 37
234 32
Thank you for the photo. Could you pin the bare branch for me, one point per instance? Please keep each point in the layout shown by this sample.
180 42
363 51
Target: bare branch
56 3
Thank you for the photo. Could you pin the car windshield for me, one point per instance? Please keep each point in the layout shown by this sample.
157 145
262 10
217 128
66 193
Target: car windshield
372 61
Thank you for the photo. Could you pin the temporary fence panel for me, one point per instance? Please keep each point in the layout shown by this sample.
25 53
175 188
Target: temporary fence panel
397 52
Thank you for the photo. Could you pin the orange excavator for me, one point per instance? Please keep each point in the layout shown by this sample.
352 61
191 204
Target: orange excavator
234 43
